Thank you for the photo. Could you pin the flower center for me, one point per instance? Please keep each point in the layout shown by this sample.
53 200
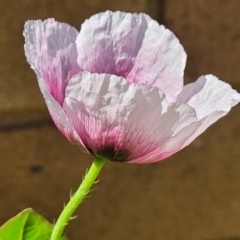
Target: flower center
109 152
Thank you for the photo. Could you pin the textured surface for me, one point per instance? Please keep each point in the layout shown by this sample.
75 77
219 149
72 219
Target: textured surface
193 195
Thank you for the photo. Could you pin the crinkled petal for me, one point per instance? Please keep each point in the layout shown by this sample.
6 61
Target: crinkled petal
132 46
51 51
211 98
121 121
60 118
208 95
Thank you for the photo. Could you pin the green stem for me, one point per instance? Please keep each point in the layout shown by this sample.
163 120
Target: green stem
77 198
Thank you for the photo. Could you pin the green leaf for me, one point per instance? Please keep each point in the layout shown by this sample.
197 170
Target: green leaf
27 225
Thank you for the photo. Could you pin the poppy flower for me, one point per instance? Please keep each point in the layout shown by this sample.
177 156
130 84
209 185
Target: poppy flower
115 88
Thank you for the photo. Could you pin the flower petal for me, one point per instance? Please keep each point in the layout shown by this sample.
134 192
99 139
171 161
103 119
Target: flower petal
132 46
60 118
119 120
211 98
171 144
51 52
209 94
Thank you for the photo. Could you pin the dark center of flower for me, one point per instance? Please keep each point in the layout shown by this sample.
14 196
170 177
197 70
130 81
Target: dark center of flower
109 152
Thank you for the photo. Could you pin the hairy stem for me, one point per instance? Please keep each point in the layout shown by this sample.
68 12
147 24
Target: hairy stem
77 198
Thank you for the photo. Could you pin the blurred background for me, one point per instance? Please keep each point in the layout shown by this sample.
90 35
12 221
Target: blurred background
194 195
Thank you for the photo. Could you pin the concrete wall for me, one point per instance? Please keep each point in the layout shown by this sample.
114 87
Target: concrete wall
210 33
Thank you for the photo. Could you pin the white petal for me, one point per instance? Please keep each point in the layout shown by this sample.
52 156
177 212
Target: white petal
49 34
211 98
51 52
209 94
132 46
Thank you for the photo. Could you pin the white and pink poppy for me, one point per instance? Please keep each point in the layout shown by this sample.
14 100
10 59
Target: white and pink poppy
115 89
